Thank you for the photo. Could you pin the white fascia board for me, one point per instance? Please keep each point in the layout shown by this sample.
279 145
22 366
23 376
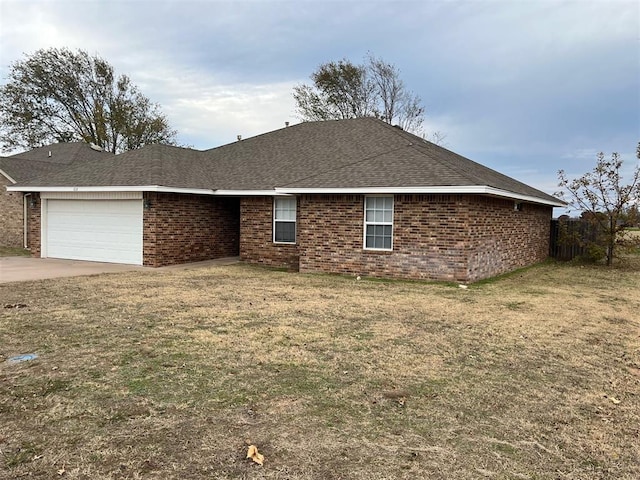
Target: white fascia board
250 193
7 176
463 189
113 188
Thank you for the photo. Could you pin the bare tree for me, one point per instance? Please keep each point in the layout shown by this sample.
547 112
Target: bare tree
603 199
398 105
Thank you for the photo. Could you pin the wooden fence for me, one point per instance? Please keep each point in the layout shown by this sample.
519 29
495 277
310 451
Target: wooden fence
570 238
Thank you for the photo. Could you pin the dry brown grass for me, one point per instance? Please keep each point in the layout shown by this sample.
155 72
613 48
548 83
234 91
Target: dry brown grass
171 374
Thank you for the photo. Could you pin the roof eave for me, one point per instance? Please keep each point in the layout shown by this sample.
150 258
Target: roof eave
249 193
470 189
7 176
463 189
111 188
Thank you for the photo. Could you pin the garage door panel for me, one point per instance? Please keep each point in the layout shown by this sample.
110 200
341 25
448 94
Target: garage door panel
97 230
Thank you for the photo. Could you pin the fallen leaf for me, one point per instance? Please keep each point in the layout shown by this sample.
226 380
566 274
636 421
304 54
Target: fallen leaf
253 454
62 471
614 400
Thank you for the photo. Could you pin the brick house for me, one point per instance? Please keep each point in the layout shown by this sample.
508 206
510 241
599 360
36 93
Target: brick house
345 196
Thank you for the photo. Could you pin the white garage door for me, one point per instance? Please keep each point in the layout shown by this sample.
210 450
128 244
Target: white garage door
96 230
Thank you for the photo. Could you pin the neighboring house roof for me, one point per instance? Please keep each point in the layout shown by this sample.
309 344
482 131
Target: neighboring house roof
65 153
335 156
161 165
43 162
17 170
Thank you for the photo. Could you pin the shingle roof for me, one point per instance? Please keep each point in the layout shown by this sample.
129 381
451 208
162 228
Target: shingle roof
45 161
338 154
152 165
21 171
65 153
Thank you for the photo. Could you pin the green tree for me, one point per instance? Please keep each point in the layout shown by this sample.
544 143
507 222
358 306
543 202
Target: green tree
345 90
604 199
57 95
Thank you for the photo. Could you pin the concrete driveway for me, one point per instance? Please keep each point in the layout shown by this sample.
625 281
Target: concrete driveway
21 269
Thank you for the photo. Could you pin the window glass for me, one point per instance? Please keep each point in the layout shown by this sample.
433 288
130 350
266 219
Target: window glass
378 223
284 219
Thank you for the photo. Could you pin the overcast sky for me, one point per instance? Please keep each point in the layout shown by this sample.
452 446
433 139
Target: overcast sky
524 87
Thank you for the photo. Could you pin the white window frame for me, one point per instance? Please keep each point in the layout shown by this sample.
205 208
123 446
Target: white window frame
276 220
372 223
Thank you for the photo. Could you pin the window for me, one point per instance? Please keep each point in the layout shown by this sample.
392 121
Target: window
378 223
284 220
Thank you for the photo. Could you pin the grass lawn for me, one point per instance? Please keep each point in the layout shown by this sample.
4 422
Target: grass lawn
14 252
172 374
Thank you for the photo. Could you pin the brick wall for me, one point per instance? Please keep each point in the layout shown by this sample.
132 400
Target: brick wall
437 237
256 235
503 239
180 228
11 216
428 237
33 224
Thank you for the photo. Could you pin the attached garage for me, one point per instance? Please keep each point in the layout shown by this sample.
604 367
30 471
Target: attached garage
98 227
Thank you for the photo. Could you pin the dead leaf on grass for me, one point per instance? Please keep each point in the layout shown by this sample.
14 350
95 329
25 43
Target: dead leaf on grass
253 454
614 400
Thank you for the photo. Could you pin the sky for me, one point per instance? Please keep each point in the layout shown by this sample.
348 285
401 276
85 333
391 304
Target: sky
526 87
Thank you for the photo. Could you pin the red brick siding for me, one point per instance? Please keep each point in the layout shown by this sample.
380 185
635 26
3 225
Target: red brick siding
11 216
503 239
256 235
428 237
180 228
33 224
439 237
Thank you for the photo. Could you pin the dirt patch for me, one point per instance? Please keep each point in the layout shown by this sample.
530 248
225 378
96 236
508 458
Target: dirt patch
173 375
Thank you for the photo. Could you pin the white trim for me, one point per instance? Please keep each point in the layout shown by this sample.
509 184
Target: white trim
116 188
148 188
462 189
473 189
365 223
295 222
7 176
43 228
251 193
91 195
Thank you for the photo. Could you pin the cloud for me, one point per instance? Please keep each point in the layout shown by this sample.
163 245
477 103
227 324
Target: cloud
208 112
519 86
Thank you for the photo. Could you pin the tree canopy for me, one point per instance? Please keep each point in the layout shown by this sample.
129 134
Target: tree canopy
605 201
343 89
58 95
